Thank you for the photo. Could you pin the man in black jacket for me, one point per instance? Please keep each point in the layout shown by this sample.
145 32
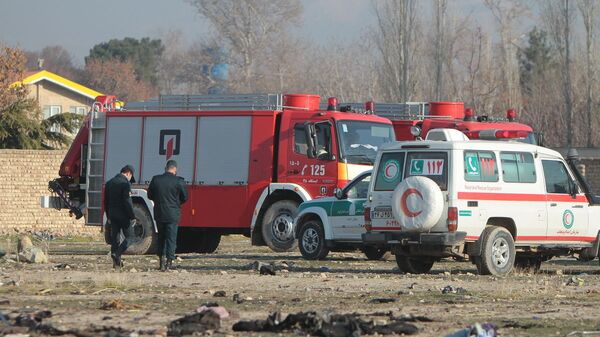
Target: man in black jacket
168 193
119 210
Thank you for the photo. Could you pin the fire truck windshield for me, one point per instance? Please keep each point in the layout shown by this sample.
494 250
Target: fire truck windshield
359 141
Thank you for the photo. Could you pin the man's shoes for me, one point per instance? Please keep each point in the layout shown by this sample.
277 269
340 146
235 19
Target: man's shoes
117 262
169 264
163 264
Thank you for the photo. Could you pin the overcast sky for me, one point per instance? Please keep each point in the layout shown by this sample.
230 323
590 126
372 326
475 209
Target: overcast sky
80 24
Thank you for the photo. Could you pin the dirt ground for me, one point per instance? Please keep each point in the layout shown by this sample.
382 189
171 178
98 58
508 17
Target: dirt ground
78 281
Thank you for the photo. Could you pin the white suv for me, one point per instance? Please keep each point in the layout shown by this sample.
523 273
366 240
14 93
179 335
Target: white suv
500 204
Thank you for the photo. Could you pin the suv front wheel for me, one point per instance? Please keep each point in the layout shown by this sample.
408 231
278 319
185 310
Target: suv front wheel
311 240
498 252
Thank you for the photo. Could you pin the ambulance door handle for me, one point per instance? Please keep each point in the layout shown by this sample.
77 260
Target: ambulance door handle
553 204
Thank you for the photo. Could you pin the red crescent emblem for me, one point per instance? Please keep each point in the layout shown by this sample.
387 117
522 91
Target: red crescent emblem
403 204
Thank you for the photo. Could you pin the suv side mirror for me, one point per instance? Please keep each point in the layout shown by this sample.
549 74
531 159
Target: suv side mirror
573 188
339 193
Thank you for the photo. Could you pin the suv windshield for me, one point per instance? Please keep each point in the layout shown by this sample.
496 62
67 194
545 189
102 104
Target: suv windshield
359 141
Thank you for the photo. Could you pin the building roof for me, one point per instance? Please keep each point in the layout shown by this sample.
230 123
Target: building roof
34 77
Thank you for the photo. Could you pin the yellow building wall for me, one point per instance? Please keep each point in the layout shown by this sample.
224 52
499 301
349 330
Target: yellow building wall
48 93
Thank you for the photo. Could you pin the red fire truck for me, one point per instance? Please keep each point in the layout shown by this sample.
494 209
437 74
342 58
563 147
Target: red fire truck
412 120
247 160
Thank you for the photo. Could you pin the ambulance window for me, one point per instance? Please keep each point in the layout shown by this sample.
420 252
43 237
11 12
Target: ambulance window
481 166
557 177
389 173
433 165
300 145
517 167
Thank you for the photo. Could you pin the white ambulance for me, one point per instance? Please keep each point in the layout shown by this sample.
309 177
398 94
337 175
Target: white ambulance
499 204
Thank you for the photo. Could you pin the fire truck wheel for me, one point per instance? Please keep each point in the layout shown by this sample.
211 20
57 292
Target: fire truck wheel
312 241
209 243
374 253
414 265
144 240
498 252
278 226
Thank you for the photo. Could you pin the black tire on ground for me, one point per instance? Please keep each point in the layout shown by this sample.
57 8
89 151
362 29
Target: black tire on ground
528 263
374 253
414 265
195 240
209 243
312 240
498 252
278 226
144 240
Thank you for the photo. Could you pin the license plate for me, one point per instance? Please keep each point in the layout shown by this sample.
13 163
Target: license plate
382 213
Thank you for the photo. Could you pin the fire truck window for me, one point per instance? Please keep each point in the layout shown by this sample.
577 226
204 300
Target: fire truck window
300 145
433 165
517 167
481 166
359 141
323 143
389 172
557 177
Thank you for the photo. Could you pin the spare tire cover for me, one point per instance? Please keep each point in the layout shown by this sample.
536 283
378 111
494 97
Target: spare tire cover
417 204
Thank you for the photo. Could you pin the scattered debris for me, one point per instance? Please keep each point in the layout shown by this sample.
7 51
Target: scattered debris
118 304
519 325
237 298
220 293
335 325
267 270
454 290
219 310
575 281
382 300
63 266
476 330
324 269
28 252
195 323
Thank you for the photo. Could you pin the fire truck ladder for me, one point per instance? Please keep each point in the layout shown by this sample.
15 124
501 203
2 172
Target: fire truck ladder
95 167
393 111
210 103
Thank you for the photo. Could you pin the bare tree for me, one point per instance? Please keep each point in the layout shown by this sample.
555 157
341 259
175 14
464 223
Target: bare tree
440 24
589 14
394 37
249 27
506 13
558 17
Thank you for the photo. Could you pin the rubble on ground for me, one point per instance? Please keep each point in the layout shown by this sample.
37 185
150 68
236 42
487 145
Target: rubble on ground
315 324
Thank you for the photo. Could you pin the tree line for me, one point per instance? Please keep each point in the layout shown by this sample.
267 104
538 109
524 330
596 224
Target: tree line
538 57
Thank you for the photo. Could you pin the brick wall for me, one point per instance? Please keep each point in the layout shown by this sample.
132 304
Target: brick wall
592 173
24 176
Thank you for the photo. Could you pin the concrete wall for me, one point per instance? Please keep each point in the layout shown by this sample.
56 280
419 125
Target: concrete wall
24 176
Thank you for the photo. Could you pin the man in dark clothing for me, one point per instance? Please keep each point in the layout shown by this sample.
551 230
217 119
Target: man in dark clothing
119 210
168 193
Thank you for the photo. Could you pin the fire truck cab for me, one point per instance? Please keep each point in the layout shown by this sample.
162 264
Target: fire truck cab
248 162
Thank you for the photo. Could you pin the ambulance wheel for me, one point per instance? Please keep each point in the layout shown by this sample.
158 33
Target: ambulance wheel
373 252
144 240
414 265
312 241
498 252
278 226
